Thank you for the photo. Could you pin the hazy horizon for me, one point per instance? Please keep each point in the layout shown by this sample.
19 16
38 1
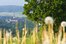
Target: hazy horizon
12 14
5 10
12 2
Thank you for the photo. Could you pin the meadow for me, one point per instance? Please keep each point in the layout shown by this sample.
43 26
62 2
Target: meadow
43 35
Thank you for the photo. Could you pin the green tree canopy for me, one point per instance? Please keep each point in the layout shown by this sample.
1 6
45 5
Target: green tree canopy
37 10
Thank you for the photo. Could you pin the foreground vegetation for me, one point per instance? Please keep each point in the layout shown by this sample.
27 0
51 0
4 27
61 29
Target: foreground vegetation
45 35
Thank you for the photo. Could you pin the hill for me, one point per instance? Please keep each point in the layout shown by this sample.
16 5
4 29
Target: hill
11 8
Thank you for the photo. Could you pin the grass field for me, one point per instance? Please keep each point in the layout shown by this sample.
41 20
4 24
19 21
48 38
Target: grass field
45 35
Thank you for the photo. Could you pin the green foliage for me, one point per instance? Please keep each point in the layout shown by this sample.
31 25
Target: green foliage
37 10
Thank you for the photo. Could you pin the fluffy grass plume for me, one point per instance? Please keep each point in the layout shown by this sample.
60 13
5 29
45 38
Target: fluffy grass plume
49 21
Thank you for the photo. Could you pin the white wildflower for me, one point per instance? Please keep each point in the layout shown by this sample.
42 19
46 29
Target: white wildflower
49 20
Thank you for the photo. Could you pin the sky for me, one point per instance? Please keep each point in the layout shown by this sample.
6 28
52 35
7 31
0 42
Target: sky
12 2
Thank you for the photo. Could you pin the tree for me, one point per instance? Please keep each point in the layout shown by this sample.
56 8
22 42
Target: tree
37 10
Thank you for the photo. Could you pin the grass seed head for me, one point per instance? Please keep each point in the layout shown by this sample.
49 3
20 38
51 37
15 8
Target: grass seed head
49 20
63 24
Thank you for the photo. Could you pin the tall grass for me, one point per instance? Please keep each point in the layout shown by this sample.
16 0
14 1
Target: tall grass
46 36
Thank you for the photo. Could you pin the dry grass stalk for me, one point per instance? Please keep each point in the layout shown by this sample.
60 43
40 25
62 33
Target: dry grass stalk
56 38
50 33
34 37
11 38
59 36
49 21
5 37
24 35
45 37
0 36
17 34
64 39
